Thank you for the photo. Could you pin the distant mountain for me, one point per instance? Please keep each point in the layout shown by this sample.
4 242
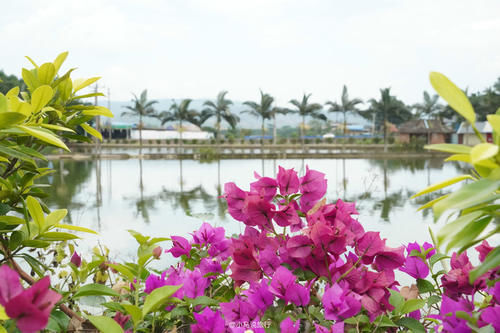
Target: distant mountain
246 120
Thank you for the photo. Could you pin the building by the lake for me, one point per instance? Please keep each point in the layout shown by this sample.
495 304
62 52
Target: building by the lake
430 131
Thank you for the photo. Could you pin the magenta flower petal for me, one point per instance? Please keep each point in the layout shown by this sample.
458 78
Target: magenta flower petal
370 244
484 248
265 187
208 321
288 181
282 280
299 246
289 326
313 188
298 295
76 259
10 286
180 246
340 304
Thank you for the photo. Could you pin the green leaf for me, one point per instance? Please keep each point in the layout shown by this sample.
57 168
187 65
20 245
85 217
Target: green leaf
55 217
7 119
40 97
12 220
3 315
3 103
157 298
123 270
57 128
412 305
105 324
95 289
204 300
492 260
57 236
32 62
141 239
44 136
30 79
79 84
494 121
36 212
467 196
453 95
98 111
35 243
433 299
449 148
432 202
436 258
441 185
134 311
397 300
60 60
424 286
468 233
46 73
58 321
411 324
483 151
75 228
383 321
89 129
450 229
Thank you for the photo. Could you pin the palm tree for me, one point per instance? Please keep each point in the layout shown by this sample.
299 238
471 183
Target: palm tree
305 109
390 108
263 110
429 106
345 105
274 112
220 110
180 112
143 108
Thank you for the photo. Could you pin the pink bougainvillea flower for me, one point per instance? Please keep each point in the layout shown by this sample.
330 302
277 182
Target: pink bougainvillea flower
207 234
121 319
259 212
76 259
415 266
31 308
195 284
282 280
390 258
484 248
298 295
180 246
326 238
260 296
264 186
238 310
245 266
10 286
312 187
269 261
335 328
370 244
449 308
376 302
208 266
154 281
339 303
287 215
456 281
289 326
299 246
235 198
288 181
208 321
491 315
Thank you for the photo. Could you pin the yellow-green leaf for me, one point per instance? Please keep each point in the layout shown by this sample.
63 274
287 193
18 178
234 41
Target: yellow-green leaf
459 157
449 148
46 73
56 127
36 212
55 217
92 131
98 111
432 202
454 96
494 121
32 62
3 103
44 136
13 220
7 119
3 316
454 227
57 236
79 84
59 60
75 228
441 185
14 92
41 96
30 79
483 151
3 159
105 324
157 298
134 311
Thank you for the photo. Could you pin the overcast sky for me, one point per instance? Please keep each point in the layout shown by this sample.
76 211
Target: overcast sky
195 48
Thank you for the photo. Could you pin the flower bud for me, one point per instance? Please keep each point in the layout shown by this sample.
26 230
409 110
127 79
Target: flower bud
76 259
157 252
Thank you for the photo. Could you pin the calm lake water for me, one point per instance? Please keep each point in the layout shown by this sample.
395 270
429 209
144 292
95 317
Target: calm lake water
171 197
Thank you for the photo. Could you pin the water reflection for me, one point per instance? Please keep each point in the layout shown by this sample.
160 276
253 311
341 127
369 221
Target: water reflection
174 196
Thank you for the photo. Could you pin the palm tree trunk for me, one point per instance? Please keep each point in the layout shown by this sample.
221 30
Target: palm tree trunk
274 129
302 130
262 136
345 125
180 132
385 131
140 135
217 129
